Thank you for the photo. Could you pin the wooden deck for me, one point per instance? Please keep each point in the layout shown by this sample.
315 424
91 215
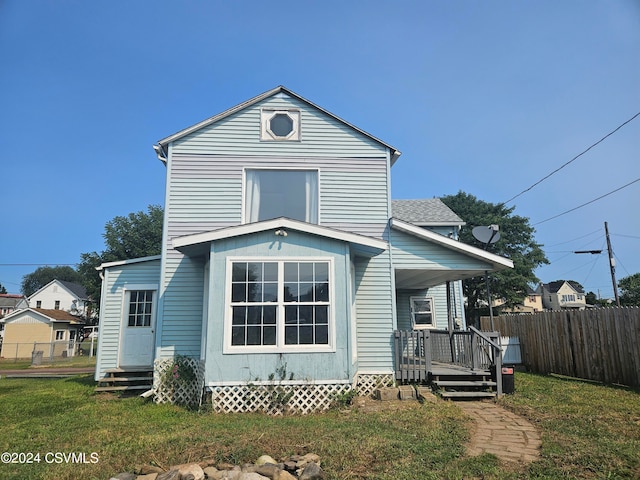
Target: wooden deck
457 364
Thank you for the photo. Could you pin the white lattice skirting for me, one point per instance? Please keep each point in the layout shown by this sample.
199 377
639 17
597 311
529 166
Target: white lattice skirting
368 383
277 399
178 381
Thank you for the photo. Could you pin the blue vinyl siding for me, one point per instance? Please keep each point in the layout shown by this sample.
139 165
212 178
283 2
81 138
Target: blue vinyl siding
439 295
239 134
115 280
412 252
228 368
205 193
375 315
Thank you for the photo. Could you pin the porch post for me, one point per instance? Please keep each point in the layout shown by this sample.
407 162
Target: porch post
449 310
450 323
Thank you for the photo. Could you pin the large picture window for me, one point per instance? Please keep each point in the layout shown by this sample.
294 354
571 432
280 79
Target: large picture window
280 305
281 193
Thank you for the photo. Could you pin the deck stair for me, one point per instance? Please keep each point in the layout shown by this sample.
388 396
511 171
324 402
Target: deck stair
128 380
469 384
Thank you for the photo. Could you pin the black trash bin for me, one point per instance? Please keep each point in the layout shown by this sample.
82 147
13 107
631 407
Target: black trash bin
508 379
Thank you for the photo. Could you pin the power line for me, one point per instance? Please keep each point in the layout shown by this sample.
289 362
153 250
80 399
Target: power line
573 240
589 202
37 264
574 158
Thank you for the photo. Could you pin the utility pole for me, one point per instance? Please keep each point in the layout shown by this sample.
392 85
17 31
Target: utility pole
612 265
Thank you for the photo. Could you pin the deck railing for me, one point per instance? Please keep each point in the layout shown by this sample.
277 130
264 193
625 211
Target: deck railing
416 351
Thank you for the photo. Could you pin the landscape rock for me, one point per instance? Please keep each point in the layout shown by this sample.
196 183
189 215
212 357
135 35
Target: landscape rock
148 476
312 472
251 476
124 476
295 467
264 459
283 475
147 469
170 475
190 469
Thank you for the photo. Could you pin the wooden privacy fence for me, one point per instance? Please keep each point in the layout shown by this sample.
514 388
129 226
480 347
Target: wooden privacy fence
598 344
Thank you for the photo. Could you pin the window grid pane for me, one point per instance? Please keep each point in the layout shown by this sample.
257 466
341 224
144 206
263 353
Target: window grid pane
140 308
301 312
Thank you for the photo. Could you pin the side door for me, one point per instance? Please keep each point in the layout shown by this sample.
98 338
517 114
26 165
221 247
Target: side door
138 326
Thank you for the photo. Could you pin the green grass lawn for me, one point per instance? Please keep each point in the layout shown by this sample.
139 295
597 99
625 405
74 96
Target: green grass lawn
588 431
21 364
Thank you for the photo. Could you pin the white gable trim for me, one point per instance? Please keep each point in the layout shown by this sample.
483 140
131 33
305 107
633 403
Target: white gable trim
496 260
49 284
37 315
161 151
128 262
278 223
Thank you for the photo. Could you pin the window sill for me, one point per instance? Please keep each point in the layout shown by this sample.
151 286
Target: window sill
257 350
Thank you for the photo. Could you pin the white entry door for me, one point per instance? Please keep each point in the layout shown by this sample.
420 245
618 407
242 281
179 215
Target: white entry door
136 349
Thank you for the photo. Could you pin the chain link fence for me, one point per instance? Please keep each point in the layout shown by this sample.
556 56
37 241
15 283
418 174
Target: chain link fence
52 352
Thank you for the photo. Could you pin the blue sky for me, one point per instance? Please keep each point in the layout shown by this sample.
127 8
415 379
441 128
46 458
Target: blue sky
484 97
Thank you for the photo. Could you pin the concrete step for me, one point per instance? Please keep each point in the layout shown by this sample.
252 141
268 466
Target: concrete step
121 388
464 383
450 394
126 379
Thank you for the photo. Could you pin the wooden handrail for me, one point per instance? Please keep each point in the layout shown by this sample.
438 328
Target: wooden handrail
486 339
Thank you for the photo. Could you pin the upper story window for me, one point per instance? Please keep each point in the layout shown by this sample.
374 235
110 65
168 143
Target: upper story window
281 193
57 305
280 125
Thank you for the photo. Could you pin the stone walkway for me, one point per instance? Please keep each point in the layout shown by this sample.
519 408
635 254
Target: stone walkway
504 434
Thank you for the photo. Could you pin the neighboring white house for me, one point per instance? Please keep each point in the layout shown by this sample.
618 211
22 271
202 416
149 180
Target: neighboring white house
10 302
61 295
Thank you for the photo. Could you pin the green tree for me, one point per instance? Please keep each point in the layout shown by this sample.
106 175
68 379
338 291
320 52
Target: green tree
630 290
34 281
2 289
516 242
136 235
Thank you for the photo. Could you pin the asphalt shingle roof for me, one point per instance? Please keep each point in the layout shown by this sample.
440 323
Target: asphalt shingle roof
78 290
423 212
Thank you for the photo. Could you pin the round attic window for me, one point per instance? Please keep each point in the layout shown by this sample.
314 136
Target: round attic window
281 125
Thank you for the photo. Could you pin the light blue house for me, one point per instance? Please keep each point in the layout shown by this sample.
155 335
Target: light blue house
283 250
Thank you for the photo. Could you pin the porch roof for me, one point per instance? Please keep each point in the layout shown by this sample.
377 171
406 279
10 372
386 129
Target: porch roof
198 244
468 261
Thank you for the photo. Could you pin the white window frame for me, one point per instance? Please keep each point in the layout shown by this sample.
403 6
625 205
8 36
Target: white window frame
246 210
62 337
432 311
126 304
280 346
266 114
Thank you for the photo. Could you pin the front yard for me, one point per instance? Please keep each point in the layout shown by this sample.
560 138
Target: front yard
588 431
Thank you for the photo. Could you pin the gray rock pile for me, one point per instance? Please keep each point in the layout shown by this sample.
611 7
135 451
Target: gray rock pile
295 467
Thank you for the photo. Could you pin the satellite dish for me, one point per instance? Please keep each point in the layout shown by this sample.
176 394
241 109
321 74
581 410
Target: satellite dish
486 235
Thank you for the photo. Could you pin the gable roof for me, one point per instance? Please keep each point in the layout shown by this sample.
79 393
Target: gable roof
430 212
197 244
10 300
553 287
130 261
49 314
497 262
73 288
160 147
